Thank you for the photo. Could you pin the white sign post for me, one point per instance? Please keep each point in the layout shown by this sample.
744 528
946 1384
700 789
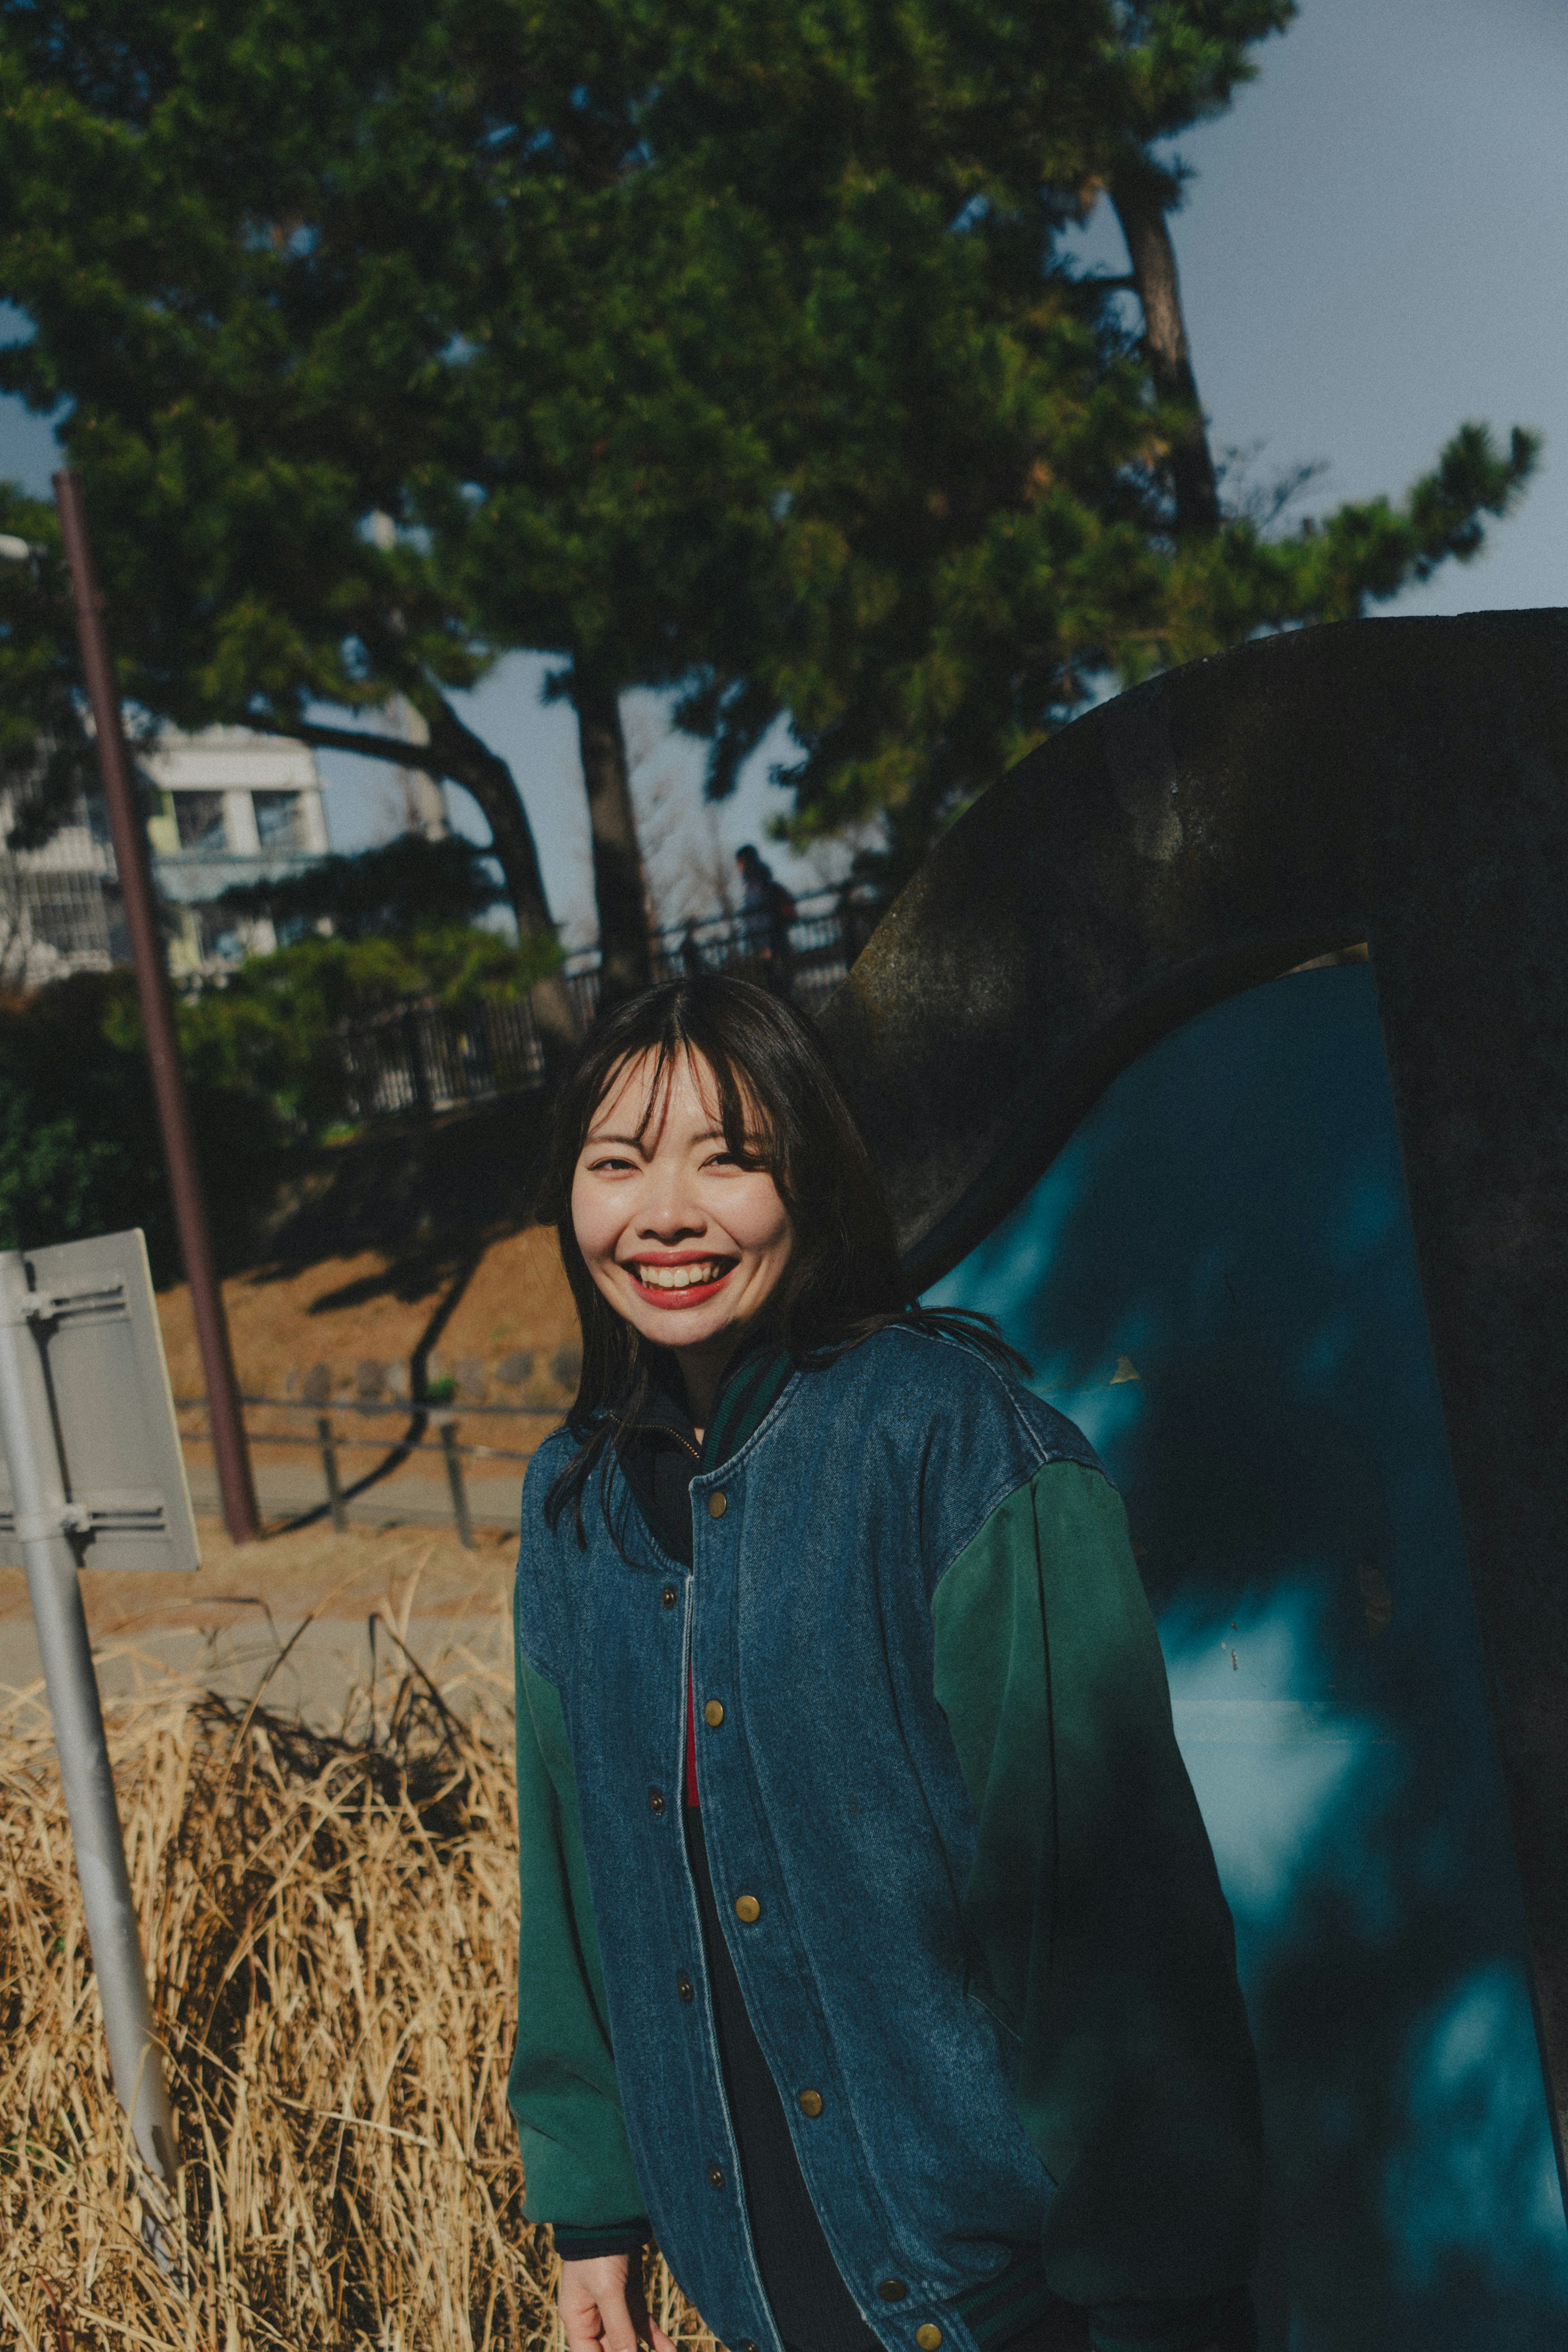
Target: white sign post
97 1480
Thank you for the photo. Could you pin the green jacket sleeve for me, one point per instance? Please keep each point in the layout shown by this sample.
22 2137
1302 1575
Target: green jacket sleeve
577 2166
1097 1927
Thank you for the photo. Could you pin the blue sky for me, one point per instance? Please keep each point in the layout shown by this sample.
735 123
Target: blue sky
1372 249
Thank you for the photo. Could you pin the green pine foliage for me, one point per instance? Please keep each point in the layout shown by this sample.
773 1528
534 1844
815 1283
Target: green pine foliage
269 1033
977 530
52 1177
48 763
407 884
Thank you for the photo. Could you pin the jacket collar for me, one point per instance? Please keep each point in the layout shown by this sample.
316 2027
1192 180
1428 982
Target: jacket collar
752 1383
751 1386
658 1452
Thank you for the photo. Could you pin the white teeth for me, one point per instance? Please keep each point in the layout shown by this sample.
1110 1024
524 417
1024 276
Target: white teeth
678 1278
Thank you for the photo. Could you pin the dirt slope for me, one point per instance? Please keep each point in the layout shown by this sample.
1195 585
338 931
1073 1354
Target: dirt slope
355 1323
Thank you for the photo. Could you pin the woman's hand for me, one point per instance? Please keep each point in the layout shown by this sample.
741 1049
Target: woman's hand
601 2306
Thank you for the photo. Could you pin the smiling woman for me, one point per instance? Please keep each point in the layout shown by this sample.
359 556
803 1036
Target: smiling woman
929 2040
703 1132
685 1237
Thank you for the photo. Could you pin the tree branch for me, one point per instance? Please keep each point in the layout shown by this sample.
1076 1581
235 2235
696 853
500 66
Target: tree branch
393 749
456 752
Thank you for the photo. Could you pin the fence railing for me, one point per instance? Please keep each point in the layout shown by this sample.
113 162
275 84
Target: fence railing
421 1057
328 1440
804 958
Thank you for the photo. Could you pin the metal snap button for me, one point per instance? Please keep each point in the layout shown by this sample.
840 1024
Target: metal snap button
748 1907
928 2337
684 1986
656 1801
892 2290
670 1595
717 1504
713 1714
810 2103
715 2174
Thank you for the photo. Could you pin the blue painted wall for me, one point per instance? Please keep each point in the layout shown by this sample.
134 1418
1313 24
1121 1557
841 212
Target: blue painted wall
1229 1225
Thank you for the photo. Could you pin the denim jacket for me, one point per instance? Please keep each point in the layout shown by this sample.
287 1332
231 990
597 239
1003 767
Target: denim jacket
962 1873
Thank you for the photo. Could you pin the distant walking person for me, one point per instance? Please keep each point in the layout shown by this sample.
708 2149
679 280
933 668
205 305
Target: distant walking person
767 912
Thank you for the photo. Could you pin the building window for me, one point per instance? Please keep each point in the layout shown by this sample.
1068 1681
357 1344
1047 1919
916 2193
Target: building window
277 816
200 818
219 938
67 912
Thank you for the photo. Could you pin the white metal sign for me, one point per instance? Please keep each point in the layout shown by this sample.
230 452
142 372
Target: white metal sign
123 1497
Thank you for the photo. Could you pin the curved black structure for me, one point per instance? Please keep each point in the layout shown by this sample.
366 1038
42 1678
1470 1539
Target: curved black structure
1401 782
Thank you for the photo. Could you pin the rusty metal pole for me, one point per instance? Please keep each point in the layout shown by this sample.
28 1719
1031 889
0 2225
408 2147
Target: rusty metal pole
329 1471
130 855
448 1429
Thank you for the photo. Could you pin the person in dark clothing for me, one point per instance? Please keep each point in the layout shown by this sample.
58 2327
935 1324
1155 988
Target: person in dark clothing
873 1956
767 911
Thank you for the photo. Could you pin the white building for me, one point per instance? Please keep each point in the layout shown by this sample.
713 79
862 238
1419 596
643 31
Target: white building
229 807
60 906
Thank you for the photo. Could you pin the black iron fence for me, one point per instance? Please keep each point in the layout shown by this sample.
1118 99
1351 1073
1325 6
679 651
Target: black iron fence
421 1057
804 958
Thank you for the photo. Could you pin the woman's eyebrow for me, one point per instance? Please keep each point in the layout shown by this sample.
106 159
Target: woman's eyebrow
597 1136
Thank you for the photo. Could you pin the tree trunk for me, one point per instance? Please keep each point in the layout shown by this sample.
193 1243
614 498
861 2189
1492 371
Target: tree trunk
1142 213
625 958
454 751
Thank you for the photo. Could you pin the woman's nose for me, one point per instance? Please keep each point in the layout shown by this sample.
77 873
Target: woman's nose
669 1213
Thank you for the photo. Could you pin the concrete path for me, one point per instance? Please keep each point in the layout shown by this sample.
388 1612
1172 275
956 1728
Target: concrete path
319 1626
410 1497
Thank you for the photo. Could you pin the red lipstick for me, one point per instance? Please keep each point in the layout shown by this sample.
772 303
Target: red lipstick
693 1293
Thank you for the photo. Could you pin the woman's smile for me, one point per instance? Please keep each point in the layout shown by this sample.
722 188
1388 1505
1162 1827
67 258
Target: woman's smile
679 1281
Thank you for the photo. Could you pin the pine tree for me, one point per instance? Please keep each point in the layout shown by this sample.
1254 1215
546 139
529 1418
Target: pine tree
728 348
995 501
239 234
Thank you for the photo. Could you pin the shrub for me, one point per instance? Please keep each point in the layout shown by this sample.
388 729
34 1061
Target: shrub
79 1150
54 1181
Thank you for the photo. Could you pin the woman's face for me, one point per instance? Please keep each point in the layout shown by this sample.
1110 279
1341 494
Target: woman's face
685 1244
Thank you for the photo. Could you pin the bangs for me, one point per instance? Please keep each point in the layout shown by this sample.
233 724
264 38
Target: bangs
750 1134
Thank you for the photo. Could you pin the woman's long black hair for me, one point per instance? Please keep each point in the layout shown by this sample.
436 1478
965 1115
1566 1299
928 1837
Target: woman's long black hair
781 1108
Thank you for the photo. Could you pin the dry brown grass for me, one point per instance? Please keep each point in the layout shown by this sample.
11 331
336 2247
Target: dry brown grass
331 1932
